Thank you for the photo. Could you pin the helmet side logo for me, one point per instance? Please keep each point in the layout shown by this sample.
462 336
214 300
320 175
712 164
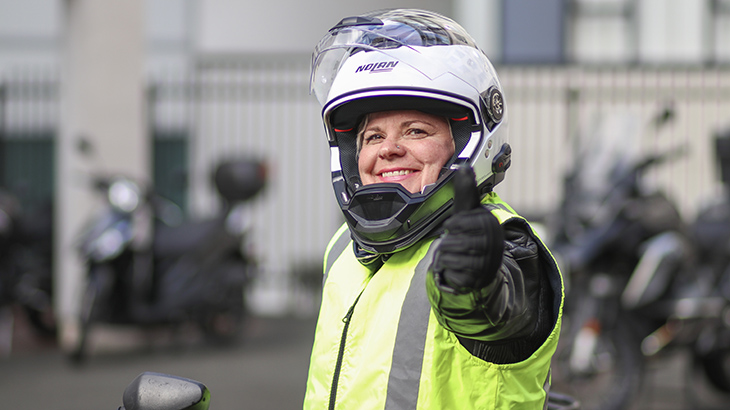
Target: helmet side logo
379 67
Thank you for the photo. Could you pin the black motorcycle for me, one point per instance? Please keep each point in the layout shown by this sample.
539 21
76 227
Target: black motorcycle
147 268
711 233
627 257
26 250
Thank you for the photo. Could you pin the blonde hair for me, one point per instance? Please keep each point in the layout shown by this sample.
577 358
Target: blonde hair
361 133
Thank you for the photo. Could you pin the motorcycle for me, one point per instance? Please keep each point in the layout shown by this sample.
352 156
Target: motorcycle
26 276
145 267
159 391
711 233
627 256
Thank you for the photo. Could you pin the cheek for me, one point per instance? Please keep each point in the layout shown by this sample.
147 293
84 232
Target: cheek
365 160
438 154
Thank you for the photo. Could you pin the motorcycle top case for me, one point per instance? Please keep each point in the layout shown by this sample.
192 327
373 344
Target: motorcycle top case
240 179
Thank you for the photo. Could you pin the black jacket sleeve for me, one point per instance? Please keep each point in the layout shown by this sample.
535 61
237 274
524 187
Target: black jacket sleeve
509 318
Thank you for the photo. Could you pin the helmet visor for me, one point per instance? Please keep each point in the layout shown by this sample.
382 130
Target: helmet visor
384 32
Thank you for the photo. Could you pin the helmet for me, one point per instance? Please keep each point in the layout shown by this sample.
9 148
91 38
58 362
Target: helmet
415 60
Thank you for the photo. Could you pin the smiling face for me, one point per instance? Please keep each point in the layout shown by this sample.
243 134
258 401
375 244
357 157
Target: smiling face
407 147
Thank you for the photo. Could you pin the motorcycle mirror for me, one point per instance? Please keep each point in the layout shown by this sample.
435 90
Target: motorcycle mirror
158 391
84 146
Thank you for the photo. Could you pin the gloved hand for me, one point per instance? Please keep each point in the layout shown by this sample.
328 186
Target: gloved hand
470 252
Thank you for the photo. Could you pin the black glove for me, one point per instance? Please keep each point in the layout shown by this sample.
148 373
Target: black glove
470 252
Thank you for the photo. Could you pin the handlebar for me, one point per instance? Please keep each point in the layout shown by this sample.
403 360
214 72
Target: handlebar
158 391
658 159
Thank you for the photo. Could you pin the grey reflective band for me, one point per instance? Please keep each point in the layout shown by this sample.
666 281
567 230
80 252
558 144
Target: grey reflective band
493 207
335 251
546 387
410 341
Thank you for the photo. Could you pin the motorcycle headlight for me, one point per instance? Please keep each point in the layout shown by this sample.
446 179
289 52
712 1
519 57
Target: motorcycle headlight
124 195
110 243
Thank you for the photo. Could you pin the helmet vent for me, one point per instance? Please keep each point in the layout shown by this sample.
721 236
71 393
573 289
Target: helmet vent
357 21
377 206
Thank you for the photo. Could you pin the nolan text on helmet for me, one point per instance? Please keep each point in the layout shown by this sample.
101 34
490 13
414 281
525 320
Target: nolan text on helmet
380 67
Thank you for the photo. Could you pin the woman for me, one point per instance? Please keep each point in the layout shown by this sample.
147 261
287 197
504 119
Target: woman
436 293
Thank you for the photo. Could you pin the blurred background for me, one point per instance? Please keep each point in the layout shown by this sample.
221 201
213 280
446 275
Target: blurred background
165 90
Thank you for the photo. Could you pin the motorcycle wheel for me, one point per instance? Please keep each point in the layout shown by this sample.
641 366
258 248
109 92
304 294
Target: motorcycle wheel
35 297
224 326
98 281
43 321
611 380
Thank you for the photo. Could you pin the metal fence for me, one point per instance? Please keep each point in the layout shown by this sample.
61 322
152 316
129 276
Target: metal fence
28 121
260 106
554 109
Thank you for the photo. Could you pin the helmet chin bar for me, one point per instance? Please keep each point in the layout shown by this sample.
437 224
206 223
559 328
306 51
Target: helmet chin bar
378 209
385 218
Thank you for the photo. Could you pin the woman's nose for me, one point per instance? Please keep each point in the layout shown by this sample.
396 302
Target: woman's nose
391 147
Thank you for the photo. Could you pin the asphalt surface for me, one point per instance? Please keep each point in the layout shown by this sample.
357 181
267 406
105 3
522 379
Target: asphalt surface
267 370
673 383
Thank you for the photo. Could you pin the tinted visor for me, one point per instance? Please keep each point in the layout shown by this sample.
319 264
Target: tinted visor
382 31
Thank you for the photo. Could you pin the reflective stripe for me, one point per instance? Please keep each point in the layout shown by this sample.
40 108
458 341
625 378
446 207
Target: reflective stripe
500 208
335 250
410 341
546 387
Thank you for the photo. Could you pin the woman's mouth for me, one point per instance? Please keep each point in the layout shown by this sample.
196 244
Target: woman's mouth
390 174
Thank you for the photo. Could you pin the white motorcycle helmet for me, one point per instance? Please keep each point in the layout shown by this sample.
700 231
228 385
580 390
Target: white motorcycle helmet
407 60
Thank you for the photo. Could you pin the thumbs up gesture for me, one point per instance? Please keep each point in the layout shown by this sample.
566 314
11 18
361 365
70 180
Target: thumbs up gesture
470 252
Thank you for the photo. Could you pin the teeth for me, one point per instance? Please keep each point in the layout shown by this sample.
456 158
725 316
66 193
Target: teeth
395 173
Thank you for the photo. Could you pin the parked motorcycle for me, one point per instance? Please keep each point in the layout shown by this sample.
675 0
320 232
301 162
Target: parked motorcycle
711 233
146 268
26 277
629 260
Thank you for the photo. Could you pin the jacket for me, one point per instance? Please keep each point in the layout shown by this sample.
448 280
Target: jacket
382 343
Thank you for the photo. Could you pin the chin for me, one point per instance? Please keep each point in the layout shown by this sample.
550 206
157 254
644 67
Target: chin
414 190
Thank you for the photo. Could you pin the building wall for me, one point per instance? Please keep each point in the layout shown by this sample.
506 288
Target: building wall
281 26
595 31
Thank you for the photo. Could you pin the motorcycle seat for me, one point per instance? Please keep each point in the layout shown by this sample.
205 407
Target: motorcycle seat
174 241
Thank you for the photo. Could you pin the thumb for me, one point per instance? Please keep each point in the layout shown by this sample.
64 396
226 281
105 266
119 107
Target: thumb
466 194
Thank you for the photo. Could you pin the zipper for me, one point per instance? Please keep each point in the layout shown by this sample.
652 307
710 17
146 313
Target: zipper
341 352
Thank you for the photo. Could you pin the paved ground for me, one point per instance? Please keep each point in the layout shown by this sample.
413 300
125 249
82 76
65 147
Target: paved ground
267 371
673 384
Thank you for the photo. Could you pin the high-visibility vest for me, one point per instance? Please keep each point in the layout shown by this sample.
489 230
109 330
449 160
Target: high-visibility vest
378 345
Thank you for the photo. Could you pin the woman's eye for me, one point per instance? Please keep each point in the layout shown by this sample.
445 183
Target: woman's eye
416 132
369 139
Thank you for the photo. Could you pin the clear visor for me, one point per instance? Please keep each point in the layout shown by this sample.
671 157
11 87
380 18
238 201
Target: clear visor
395 34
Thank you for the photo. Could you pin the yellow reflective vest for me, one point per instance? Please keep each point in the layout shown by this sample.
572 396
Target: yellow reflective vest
378 345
